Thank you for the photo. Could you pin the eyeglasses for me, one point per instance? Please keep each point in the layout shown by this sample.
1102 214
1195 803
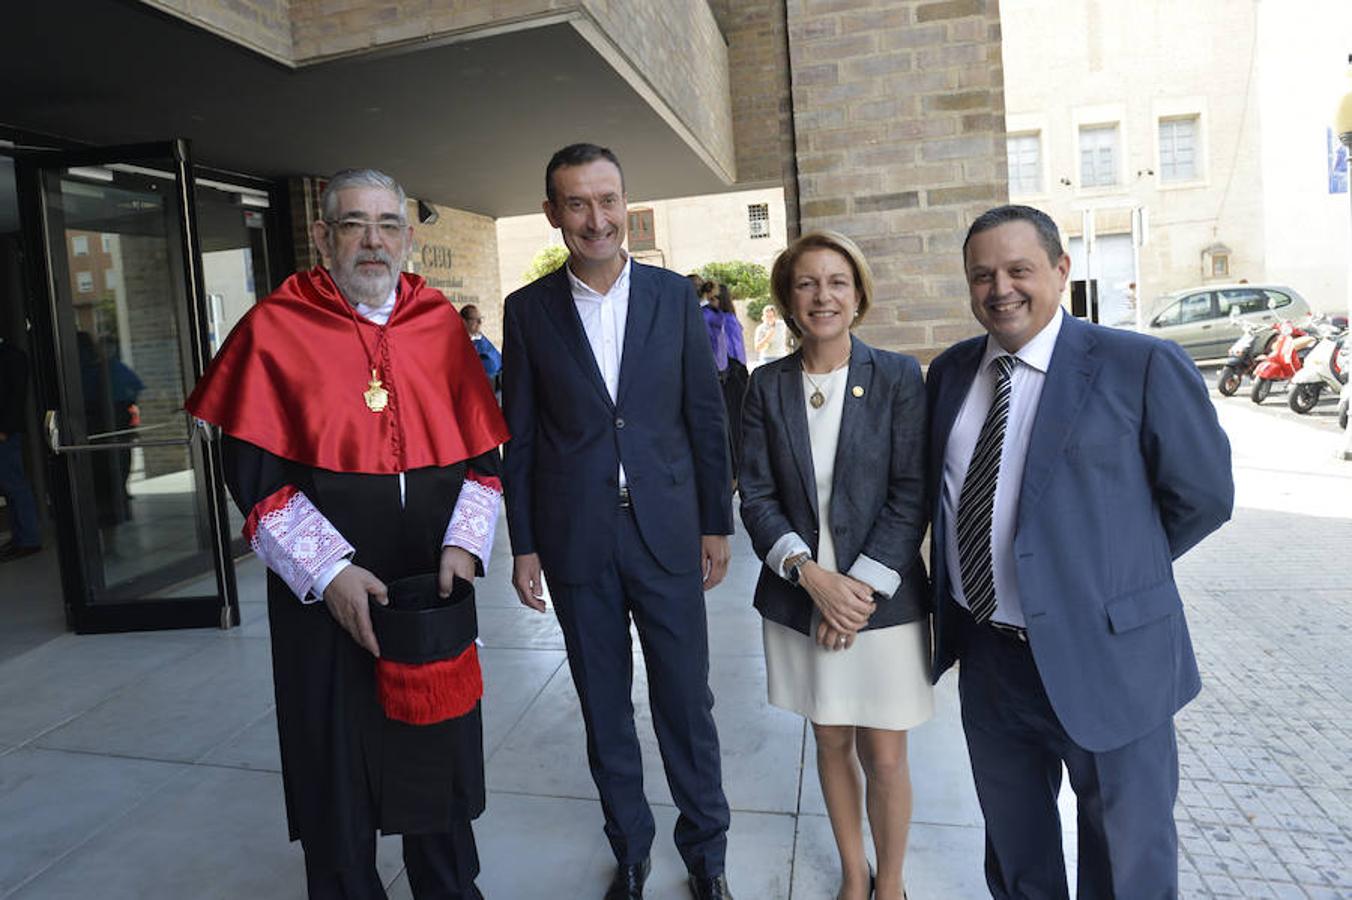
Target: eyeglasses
351 229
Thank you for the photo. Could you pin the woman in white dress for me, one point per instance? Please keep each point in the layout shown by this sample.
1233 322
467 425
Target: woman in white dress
832 488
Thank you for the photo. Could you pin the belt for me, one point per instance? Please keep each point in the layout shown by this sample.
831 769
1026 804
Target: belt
624 498
1013 632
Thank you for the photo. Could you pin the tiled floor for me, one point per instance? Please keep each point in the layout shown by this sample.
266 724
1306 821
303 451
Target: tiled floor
144 766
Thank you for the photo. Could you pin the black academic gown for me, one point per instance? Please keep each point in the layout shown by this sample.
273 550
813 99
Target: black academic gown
345 766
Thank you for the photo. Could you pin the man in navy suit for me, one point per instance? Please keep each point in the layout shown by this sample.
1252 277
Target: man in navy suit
618 490
1096 460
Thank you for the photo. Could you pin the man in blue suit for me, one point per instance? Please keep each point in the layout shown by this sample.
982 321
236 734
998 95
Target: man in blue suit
1069 466
618 489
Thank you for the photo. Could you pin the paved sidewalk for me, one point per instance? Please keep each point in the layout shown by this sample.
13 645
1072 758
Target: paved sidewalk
145 765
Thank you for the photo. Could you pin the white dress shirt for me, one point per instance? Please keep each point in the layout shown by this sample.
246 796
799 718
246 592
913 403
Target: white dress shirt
1029 375
603 319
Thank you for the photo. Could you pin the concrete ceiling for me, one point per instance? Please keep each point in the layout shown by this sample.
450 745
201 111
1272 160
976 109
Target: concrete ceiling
469 124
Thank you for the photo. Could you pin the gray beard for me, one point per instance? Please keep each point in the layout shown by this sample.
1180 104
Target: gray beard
355 288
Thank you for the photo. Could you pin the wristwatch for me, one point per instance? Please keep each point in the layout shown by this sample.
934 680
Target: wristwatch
794 564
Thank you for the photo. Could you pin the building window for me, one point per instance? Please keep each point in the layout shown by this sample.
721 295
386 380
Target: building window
107 240
641 234
84 282
758 219
1098 156
79 245
1220 265
1025 163
1178 149
110 279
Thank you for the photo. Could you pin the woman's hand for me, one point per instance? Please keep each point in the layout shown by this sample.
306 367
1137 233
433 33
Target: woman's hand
831 639
844 602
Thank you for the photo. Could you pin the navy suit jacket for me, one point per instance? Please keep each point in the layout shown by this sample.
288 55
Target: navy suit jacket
1127 469
561 468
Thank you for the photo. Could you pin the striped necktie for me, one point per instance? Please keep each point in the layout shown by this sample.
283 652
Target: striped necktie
977 501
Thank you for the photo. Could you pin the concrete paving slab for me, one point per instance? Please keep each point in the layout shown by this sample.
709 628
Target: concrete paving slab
513 680
182 709
72 674
252 747
207 833
52 801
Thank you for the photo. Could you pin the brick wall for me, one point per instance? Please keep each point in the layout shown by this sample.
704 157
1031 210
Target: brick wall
153 343
679 53
459 257
762 107
899 126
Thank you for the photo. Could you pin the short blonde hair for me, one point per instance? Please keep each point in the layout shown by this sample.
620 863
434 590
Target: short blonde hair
781 276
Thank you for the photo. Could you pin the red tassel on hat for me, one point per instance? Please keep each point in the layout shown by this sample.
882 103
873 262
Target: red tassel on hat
431 692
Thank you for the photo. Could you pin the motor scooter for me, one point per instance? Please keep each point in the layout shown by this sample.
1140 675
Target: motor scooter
1282 361
1244 354
1322 368
1345 397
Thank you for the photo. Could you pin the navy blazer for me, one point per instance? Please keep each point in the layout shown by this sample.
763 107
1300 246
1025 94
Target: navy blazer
878 504
561 467
1127 469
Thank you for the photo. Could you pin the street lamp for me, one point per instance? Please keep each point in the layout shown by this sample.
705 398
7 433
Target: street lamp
1342 126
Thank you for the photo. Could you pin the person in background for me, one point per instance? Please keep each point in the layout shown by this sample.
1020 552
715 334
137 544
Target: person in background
488 354
713 323
769 339
833 498
24 538
735 376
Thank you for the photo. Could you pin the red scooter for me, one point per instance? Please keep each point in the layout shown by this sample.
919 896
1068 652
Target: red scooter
1282 361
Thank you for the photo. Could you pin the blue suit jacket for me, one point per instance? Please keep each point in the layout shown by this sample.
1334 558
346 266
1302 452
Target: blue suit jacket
1127 469
560 470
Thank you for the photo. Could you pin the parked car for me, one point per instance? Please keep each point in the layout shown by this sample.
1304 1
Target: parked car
1199 318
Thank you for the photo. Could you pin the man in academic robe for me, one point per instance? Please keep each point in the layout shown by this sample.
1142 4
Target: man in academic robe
360 441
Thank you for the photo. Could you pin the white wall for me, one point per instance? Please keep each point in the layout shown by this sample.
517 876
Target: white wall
1304 47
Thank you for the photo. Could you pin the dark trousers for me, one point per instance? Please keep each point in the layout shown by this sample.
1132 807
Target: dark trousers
23 510
668 611
440 867
1128 844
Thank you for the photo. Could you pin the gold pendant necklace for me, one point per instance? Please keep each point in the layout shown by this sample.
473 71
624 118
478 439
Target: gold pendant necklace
818 399
376 395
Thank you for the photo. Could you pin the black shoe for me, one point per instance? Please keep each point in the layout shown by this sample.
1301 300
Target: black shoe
710 887
628 881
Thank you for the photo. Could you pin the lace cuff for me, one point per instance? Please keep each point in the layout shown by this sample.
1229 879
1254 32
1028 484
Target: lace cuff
293 539
475 519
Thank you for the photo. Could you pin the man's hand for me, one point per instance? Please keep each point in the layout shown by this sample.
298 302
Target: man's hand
529 583
714 556
456 562
346 599
3 437
845 603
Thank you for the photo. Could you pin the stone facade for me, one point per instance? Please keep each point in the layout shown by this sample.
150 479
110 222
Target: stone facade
263 26
762 106
458 255
898 113
1128 68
